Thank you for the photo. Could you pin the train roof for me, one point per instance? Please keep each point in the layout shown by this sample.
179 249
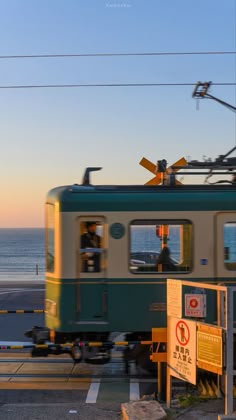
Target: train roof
143 197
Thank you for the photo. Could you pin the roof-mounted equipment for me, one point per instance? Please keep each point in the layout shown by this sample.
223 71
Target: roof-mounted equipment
86 177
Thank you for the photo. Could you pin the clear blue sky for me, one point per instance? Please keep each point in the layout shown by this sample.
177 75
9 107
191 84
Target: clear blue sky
49 136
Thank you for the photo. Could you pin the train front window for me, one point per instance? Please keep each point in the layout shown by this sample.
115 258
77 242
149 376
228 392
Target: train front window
230 245
91 246
50 263
160 246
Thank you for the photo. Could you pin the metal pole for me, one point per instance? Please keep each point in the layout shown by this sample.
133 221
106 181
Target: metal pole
168 375
168 387
229 351
159 380
221 322
231 107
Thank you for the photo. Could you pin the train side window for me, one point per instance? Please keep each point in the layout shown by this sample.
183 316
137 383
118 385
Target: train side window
160 246
230 245
50 245
91 246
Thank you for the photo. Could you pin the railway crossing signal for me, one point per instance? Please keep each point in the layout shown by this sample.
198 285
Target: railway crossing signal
163 174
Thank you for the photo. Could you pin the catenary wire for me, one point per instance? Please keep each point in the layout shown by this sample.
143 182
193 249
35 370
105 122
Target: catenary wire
23 56
75 85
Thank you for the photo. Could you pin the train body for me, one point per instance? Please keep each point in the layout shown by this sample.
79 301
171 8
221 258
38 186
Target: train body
118 284
128 291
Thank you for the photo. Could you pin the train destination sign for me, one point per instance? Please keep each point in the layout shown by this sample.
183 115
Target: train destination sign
210 348
174 298
181 349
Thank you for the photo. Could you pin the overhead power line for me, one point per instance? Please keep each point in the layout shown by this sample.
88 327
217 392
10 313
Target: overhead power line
164 53
107 85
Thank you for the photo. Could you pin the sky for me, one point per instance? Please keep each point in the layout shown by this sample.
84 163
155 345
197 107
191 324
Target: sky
48 136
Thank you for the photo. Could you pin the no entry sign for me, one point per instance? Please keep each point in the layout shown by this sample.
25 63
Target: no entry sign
182 333
181 349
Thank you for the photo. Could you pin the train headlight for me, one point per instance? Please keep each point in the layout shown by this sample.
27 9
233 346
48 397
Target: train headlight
50 307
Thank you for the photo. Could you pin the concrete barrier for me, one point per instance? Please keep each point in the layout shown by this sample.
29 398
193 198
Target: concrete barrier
146 410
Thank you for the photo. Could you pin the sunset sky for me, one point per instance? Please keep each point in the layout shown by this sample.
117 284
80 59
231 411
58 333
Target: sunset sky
50 135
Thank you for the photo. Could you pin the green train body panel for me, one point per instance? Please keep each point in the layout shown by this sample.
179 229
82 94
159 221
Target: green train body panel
119 316
126 308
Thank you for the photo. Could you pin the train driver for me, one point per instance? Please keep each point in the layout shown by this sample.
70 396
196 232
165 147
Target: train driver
91 260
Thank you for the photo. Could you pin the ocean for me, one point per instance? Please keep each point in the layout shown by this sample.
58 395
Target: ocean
144 238
22 254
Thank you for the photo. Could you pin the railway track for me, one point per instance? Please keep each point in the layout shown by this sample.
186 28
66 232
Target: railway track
23 366
93 382
18 370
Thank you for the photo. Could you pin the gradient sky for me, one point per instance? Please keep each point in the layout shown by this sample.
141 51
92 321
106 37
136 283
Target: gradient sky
49 136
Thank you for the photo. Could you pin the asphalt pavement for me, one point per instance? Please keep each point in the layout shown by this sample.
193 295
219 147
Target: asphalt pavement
60 411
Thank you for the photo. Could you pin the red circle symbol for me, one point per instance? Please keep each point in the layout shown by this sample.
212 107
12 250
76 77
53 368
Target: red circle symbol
182 333
193 303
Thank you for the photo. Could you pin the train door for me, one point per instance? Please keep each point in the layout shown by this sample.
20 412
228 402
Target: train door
91 269
225 246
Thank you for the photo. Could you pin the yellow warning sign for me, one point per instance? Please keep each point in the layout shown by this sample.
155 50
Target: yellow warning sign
210 348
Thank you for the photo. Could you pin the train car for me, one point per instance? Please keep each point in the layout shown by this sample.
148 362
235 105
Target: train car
118 284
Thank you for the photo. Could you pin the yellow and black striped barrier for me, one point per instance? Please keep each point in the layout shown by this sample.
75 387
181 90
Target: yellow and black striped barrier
22 311
79 344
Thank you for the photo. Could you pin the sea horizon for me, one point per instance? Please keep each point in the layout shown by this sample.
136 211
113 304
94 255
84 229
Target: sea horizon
22 254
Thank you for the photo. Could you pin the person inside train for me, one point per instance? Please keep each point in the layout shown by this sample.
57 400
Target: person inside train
91 260
164 261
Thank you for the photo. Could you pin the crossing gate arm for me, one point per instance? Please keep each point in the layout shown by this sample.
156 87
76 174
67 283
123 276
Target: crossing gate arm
22 311
159 345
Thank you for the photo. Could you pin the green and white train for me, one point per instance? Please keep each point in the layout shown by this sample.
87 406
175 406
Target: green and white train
128 292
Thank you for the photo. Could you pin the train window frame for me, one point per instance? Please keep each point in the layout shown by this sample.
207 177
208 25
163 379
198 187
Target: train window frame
229 264
147 268
101 222
50 238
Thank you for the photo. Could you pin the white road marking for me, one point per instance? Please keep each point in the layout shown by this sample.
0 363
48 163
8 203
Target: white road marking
134 393
93 392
